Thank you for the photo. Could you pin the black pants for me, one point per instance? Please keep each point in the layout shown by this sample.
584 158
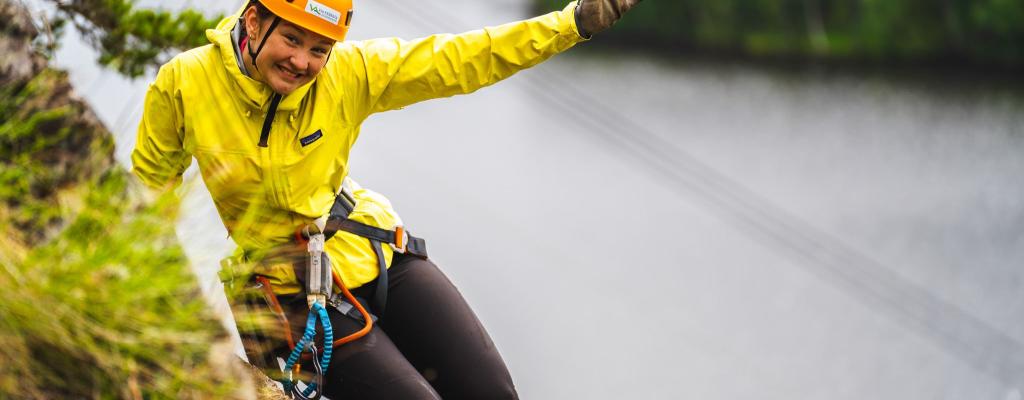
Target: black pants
428 345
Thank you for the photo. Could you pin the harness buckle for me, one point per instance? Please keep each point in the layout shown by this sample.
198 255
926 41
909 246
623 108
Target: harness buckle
401 239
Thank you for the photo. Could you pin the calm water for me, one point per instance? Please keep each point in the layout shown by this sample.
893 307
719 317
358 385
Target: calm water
630 227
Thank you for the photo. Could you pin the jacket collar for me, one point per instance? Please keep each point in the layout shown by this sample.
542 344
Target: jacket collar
253 92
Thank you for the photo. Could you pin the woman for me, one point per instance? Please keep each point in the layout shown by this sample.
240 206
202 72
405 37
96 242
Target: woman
270 110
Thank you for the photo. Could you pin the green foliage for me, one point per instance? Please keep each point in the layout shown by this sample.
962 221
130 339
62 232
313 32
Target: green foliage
98 300
981 32
130 39
22 177
19 129
45 146
103 305
107 309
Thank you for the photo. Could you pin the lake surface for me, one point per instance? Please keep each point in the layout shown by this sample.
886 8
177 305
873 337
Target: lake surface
645 227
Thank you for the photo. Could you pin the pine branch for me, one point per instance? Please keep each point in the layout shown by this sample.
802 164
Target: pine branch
129 39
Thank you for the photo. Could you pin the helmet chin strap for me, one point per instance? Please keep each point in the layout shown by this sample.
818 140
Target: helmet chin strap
273 24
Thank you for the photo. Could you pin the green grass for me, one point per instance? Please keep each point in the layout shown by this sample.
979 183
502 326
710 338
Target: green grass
107 309
97 299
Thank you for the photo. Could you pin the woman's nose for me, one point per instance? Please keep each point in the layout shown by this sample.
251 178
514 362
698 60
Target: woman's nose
299 62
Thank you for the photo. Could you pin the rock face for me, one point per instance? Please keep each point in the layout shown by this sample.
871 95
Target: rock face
53 152
15 43
49 139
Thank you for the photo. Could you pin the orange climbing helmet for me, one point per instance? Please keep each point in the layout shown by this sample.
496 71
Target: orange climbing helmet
329 18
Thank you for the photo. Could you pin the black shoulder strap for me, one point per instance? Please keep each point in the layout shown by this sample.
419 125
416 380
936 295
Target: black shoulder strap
338 220
380 294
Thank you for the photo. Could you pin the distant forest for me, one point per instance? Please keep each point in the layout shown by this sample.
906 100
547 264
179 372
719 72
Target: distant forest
979 33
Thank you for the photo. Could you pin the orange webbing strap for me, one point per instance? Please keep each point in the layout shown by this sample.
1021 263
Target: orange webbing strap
301 239
276 307
344 290
352 299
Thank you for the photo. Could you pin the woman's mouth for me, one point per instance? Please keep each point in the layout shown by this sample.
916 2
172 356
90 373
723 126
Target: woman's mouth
289 74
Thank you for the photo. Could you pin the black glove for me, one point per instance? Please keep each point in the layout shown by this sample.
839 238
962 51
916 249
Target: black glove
593 16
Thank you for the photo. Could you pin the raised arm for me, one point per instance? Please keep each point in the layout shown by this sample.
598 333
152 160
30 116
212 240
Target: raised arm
397 73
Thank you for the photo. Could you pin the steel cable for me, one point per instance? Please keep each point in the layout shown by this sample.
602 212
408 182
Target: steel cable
962 334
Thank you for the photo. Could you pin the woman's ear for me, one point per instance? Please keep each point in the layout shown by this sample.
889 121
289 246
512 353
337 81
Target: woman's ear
252 21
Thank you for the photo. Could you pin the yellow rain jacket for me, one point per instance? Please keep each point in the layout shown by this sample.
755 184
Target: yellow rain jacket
201 105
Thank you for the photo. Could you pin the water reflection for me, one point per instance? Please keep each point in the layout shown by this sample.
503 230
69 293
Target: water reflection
705 229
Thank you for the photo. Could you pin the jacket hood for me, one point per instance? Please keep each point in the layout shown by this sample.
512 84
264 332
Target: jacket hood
255 92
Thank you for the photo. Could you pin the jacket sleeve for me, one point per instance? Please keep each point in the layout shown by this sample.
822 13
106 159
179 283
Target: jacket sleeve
400 73
159 158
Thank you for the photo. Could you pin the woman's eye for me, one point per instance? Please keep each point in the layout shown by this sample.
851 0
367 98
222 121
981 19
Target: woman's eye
320 52
292 39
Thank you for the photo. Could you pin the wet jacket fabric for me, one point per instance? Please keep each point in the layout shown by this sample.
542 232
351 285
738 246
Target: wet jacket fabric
201 105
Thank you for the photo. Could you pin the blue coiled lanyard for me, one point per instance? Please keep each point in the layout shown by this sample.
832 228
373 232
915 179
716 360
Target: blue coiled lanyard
316 312
318 290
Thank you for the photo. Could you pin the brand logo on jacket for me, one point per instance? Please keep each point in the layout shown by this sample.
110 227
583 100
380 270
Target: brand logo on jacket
306 141
324 12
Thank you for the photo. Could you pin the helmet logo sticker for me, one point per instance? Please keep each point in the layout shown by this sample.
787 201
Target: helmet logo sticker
324 12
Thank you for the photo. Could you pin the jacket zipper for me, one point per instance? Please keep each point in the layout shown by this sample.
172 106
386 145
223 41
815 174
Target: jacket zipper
269 119
276 186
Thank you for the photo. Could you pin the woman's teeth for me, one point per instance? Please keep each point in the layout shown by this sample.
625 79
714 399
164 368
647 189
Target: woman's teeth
288 72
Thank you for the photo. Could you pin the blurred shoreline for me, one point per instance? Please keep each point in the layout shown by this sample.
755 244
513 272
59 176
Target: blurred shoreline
954 36
955 72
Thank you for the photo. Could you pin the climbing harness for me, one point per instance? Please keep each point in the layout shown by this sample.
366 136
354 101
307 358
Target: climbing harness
318 312
318 288
320 280
399 239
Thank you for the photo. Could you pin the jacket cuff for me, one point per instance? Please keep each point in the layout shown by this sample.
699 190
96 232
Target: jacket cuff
569 12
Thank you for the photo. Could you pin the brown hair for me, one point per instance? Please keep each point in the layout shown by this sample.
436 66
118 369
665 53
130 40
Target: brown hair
261 11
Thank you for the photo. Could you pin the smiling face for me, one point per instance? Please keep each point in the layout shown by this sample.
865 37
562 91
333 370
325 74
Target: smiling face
291 57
